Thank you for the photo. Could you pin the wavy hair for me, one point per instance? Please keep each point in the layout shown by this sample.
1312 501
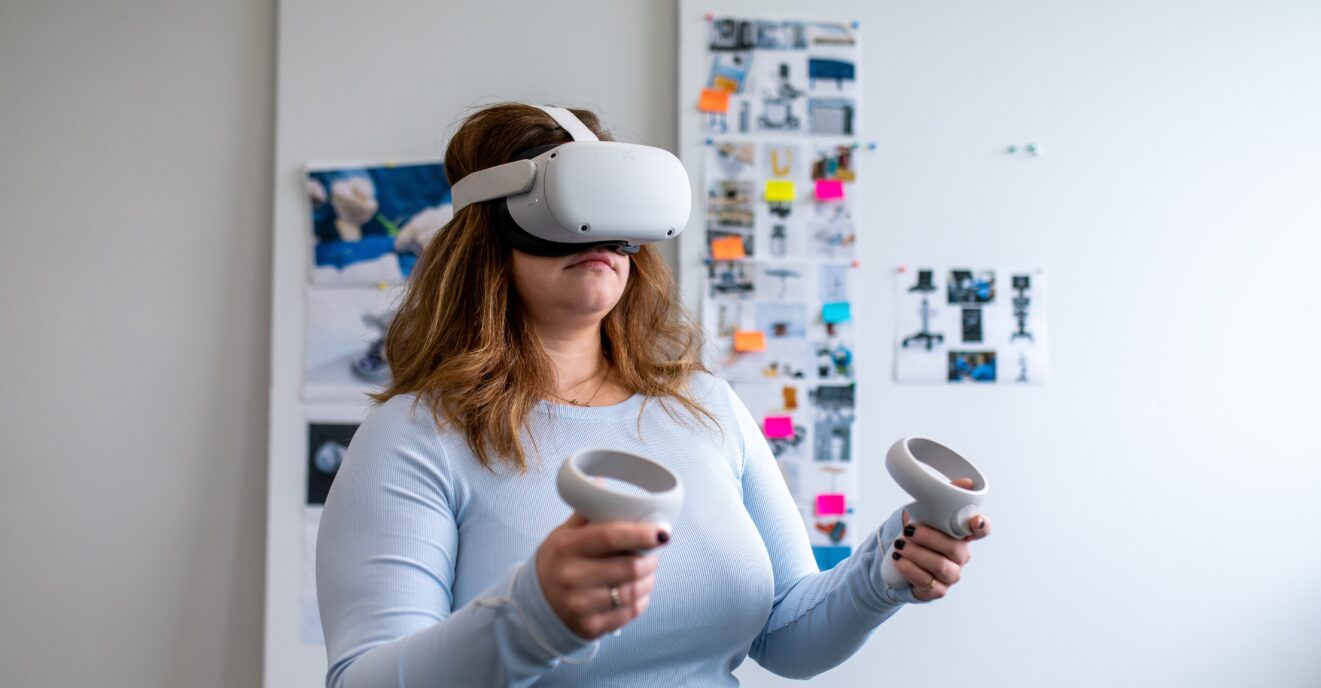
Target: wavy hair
461 341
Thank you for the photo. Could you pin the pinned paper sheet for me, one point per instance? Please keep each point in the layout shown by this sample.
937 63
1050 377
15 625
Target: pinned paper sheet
748 342
837 312
778 426
728 248
778 190
830 505
829 189
713 100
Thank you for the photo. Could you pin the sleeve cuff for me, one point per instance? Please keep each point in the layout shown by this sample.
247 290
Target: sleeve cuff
527 593
886 535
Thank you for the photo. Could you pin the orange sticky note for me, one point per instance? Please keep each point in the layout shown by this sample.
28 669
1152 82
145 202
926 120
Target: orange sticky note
713 100
779 190
749 341
728 248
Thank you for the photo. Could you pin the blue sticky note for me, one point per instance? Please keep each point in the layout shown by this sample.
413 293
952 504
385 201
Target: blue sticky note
827 557
836 312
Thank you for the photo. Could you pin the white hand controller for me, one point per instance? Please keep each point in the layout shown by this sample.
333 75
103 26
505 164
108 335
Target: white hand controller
938 504
658 502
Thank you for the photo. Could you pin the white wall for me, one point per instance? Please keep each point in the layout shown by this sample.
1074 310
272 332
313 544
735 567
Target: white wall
392 80
1176 206
1156 505
135 157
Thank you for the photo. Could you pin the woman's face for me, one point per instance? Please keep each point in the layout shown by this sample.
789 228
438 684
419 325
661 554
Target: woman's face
576 289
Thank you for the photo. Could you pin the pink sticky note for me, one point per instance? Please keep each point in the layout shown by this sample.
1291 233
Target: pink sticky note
778 426
830 505
829 189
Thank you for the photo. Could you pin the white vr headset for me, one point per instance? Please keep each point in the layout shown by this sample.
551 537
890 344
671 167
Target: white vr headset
563 198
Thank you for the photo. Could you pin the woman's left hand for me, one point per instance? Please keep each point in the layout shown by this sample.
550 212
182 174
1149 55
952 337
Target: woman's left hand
933 561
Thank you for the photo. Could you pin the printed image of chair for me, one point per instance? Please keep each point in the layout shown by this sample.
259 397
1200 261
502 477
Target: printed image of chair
925 285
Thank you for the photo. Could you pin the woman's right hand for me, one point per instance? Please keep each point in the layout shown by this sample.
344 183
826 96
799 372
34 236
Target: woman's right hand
579 562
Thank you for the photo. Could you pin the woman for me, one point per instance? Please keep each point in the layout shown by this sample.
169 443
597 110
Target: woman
445 556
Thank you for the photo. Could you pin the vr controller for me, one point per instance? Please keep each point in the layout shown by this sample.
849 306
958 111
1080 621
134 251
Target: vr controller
657 500
659 494
937 503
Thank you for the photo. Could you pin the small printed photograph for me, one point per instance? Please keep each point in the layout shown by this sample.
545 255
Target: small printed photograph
726 317
971 286
832 282
834 359
731 279
731 160
344 353
774 406
830 35
828 74
732 34
780 92
729 203
369 224
729 72
780 320
784 238
783 359
829 530
782 281
326 445
972 366
833 163
783 160
831 116
781 35
833 240
832 429
971 319
1022 302
918 319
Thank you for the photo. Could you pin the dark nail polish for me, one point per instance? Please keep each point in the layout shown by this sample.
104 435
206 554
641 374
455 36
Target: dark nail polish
899 544
663 537
981 524
897 555
909 530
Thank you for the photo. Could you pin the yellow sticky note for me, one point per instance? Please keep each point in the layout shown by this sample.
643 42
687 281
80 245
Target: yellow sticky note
728 248
779 190
749 341
713 100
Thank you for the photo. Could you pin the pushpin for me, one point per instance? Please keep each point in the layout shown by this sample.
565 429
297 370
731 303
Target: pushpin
871 146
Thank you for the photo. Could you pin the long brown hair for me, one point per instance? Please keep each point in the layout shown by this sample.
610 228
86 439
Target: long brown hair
460 340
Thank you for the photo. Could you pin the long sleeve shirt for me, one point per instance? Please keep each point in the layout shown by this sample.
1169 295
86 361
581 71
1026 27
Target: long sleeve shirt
426 574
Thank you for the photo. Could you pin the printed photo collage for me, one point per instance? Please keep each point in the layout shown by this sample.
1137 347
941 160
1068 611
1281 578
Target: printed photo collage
779 175
367 225
971 326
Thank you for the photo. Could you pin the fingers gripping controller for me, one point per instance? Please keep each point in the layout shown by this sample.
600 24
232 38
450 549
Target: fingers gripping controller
937 503
659 501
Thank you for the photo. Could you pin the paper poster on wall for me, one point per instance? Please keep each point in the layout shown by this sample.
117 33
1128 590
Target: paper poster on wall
326 445
781 237
344 349
971 325
369 222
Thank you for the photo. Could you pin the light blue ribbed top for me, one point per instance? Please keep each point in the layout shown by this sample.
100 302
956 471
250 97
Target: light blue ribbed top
425 573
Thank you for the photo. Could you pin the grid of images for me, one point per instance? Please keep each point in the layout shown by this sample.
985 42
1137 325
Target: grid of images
971 326
779 174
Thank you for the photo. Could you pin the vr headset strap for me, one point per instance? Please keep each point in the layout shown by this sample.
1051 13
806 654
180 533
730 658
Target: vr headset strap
570 123
500 181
